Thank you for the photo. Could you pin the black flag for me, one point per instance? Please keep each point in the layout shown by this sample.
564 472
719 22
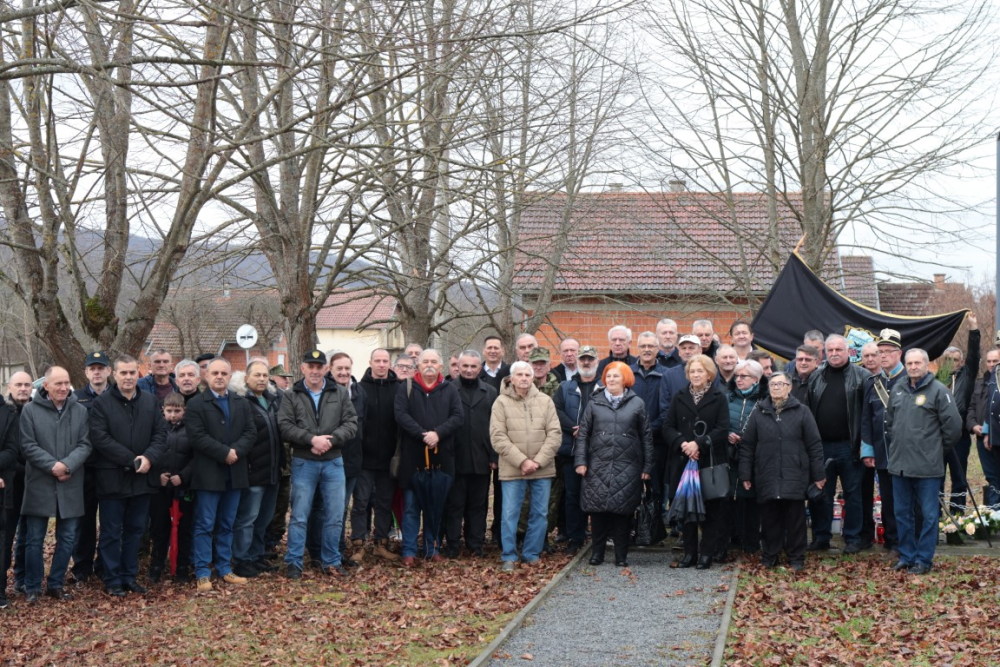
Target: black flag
799 302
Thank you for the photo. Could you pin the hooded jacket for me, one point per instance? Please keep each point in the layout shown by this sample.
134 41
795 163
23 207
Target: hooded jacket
120 430
616 445
299 420
781 453
923 425
378 423
49 436
523 428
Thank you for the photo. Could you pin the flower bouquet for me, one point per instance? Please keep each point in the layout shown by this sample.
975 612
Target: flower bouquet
975 525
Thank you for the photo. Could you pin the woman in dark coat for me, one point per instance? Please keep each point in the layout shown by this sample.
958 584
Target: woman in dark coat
780 452
614 454
697 429
744 393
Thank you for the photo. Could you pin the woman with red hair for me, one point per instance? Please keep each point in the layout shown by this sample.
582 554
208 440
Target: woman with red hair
614 454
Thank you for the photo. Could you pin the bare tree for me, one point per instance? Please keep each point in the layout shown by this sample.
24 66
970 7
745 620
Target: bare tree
853 105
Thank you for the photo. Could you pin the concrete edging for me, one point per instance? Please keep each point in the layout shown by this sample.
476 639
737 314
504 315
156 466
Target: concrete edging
487 653
727 614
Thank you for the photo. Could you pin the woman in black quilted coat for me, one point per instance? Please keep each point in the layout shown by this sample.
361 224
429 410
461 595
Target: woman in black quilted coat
614 454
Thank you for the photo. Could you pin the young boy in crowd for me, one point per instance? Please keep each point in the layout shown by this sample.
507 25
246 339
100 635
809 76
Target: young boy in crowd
175 476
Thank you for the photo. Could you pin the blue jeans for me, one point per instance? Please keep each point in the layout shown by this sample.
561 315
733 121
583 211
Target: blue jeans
307 477
263 520
910 491
513 498
246 516
34 564
123 521
214 511
843 464
576 520
411 529
991 471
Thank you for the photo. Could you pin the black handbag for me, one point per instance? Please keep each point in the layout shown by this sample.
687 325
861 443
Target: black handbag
714 478
649 528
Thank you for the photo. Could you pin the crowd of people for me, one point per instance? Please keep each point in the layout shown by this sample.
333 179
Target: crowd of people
202 467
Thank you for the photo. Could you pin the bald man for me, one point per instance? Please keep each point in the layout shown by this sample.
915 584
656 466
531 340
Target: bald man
55 442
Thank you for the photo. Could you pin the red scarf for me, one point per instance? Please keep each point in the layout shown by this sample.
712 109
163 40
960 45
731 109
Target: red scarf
419 379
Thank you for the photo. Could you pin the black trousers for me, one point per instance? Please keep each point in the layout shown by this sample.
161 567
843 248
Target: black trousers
714 539
12 520
615 526
160 527
868 505
86 560
373 492
747 521
468 501
888 509
783 526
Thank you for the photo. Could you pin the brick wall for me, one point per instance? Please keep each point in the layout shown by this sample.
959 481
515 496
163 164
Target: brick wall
589 320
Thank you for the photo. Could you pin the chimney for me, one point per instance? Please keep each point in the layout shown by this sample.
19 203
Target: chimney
939 281
615 187
677 185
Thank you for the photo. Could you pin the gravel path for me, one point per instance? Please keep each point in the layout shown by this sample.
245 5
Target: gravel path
603 616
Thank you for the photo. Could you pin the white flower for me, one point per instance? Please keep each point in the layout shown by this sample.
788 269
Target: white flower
950 528
970 528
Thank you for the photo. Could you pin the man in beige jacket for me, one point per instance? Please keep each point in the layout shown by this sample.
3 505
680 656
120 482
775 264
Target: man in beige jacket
524 429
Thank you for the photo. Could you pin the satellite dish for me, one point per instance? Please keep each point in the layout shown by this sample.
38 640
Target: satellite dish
246 336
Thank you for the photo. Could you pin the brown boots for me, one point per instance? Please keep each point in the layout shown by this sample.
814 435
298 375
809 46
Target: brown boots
382 551
357 551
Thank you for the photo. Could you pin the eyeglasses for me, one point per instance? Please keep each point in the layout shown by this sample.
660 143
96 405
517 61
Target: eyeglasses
648 347
744 377
780 383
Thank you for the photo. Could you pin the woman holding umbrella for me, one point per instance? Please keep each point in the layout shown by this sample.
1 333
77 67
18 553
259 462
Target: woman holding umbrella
614 454
697 429
780 452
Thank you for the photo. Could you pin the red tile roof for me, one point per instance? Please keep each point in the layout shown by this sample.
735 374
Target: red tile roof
356 310
668 242
209 319
922 299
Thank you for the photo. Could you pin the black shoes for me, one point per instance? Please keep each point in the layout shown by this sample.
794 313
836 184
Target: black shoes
572 549
920 569
133 587
687 560
246 569
115 591
818 546
32 597
58 594
621 563
704 563
293 573
900 565
596 560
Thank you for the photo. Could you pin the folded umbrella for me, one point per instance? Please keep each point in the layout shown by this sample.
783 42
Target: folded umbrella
430 488
688 506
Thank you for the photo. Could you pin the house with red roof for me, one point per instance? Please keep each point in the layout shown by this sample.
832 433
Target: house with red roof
634 258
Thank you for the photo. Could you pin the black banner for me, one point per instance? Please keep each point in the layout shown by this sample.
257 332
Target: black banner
799 302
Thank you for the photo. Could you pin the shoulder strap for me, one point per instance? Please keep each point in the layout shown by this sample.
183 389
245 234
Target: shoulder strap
883 393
